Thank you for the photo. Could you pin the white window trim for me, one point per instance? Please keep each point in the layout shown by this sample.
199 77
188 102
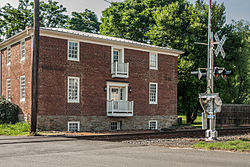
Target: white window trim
22 99
8 61
78 51
21 56
156 95
78 90
156 127
7 97
112 53
153 68
74 122
118 84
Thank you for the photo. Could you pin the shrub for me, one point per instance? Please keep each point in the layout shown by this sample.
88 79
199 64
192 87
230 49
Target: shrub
8 111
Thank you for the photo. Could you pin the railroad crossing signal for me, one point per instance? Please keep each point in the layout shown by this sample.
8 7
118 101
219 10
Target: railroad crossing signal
220 44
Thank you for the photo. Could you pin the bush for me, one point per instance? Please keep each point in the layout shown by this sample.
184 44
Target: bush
8 111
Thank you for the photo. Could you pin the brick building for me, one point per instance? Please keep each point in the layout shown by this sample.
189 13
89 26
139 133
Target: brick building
91 82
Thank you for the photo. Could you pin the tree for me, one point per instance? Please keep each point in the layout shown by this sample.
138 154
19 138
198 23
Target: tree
130 19
86 21
14 20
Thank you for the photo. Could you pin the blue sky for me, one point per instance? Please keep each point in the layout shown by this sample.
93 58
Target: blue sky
235 9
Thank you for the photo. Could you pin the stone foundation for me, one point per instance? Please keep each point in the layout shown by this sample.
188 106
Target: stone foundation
102 123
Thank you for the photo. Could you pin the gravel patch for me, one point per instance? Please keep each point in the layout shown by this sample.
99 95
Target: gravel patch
183 142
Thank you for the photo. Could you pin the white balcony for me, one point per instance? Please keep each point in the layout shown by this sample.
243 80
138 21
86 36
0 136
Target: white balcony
120 108
119 70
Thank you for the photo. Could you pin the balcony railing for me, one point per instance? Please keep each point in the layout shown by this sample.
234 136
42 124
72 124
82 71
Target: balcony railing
119 70
120 108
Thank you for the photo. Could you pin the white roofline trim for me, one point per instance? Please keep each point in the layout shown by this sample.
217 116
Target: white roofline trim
93 38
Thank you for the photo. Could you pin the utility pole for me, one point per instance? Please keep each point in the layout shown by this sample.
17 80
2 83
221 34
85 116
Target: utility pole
33 124
210 101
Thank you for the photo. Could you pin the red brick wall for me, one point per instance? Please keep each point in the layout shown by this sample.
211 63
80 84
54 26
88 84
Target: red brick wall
16 69
94 70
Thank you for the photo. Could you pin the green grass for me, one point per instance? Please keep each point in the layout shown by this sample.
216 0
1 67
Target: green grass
234 145
197 123
18 129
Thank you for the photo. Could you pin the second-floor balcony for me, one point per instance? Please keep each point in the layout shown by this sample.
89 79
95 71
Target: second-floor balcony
119 70
120 108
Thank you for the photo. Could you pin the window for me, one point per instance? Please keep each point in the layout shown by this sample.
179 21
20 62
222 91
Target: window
153 61
74 126
22 88
115 125
117 55
8 89
8 55
73 89
153 125
22 50
153 88
73 51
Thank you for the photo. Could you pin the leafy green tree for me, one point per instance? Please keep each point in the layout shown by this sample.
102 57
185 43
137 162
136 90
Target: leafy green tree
14 20
131 19
86 21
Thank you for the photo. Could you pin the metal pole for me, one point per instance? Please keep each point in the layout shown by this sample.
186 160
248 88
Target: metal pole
33 124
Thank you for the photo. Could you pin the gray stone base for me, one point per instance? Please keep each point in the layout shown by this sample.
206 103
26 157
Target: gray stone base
102 123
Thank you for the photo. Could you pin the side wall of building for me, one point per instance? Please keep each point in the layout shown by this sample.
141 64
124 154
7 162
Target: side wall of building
14 71
94 71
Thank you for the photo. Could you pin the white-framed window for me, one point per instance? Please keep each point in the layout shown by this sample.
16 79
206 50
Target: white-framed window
153 61
153 93
8 59
22 50
117 55
74 126
73 89
115 125
8 89
22 88
152 124
73 51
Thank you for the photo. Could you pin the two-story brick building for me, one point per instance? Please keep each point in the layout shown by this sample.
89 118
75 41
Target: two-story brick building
91 82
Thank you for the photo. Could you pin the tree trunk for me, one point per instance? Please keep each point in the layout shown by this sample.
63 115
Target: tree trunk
191 116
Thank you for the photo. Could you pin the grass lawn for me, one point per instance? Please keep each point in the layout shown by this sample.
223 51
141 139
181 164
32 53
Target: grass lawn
234 145
18 129
197 123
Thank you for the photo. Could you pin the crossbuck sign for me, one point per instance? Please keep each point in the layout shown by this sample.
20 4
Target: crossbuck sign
220 44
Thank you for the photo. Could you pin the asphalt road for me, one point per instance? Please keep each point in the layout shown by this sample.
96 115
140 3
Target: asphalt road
64 152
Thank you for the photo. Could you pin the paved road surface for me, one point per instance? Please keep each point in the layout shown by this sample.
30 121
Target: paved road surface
64 152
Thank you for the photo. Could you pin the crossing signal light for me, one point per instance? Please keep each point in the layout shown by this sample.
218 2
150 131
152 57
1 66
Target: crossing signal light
226 73
199 74
217 72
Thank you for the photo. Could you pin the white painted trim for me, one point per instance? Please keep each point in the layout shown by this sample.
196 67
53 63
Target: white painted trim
21 55
156 127
153 68
22 99
156 96
74 122
7 59
8 98
78 90
78 51
109 43
118 84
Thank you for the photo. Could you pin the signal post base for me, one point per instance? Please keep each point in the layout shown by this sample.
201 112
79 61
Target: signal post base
211 135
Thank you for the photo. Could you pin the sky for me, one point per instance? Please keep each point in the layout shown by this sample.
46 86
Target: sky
235 9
